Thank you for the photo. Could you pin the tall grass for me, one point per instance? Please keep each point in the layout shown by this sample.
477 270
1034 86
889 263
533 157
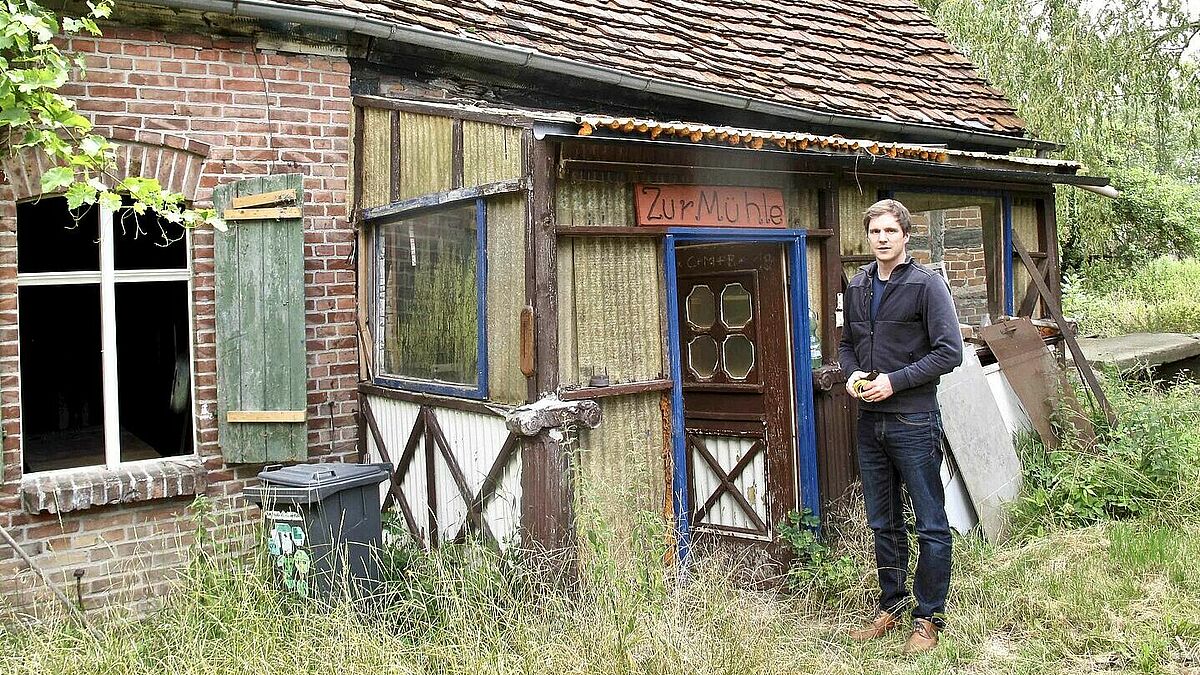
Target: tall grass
1120 594
1115 597
1161 296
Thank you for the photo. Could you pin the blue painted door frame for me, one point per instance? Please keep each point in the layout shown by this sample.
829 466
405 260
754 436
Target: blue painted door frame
805 433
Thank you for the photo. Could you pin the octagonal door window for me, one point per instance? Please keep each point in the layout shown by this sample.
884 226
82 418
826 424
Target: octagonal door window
720 343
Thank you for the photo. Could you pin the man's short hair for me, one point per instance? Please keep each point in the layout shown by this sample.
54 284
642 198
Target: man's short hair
886 206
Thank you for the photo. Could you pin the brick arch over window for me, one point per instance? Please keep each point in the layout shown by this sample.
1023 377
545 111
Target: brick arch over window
176 162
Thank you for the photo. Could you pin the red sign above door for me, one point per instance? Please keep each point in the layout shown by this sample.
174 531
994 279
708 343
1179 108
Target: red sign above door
709 206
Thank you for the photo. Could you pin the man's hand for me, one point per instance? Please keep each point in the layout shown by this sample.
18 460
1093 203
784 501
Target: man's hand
878 389
854 377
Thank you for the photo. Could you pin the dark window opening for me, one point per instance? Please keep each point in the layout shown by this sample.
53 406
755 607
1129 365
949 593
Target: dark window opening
62 398
61 340
48 240
153 370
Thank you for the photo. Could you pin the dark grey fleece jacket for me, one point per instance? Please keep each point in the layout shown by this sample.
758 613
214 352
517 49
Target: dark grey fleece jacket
914 339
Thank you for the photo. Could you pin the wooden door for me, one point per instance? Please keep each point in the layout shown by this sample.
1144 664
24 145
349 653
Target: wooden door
737 398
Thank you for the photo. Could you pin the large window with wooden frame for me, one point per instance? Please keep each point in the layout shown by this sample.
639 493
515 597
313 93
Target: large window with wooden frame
431 271
105 333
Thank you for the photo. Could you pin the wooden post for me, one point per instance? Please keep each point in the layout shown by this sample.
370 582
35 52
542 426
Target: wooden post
1052 306
547 496
831 268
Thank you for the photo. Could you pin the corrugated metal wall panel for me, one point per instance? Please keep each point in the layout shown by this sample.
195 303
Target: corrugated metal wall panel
476 440
568 358
395 420
1025 225
426 147
505 297
803 207
752 482
812 254
377 157
853 199
595 203
621 462
618 310
837 463
491 153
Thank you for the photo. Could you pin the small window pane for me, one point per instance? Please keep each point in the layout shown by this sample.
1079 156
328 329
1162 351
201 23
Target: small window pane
430 303
735 306
147 242
153 370
701 307
62 383
702 357
739 356
48 240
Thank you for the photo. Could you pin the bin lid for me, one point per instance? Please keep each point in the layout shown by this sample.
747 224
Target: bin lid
307 483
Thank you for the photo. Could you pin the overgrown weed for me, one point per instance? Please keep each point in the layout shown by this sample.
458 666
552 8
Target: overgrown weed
1109 299
1113 596
1146 466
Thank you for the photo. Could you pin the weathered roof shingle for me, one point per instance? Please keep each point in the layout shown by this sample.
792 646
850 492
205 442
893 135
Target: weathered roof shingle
880 59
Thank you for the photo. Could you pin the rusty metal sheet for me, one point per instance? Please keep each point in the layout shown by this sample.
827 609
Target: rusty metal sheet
837 441
1035 377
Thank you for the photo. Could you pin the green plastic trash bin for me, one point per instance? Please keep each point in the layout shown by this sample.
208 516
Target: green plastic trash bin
322 527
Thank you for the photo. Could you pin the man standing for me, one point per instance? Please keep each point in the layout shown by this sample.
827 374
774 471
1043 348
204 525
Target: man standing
901 335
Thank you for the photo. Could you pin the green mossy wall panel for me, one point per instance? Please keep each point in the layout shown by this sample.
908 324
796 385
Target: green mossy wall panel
505 297
491 153
261 361
621 470
802 206
616 310
853 200
568 361
377 157
1025 225
426 147
595 203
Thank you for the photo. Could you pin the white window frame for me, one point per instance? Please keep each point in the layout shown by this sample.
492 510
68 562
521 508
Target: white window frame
108 277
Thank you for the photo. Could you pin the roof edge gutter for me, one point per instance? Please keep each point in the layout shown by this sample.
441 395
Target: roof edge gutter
524 57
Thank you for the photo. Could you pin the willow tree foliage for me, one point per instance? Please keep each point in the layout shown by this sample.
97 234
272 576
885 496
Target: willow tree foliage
35 115
1117 85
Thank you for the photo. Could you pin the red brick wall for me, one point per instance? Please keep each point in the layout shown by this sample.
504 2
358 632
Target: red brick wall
966 268
259 113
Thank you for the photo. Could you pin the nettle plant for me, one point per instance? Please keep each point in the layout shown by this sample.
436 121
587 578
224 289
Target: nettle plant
34 115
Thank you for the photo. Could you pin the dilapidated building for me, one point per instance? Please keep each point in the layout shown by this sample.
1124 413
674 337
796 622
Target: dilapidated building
443 211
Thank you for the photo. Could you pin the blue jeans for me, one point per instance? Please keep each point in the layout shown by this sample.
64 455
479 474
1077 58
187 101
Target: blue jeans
906 448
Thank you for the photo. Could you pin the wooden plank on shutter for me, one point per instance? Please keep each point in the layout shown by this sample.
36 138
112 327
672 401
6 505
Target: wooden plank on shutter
261 363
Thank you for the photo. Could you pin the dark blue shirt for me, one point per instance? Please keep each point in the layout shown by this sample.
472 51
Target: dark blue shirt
877 289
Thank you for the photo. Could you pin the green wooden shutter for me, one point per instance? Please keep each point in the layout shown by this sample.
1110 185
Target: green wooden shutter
261 365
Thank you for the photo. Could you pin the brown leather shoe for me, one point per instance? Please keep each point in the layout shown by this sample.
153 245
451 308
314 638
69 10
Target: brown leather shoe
924 637
884 622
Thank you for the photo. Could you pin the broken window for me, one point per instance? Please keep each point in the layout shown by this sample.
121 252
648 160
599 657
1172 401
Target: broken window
961 233
105 334
428 306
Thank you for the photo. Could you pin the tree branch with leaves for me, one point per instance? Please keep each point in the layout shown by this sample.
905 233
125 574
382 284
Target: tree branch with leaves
34 115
